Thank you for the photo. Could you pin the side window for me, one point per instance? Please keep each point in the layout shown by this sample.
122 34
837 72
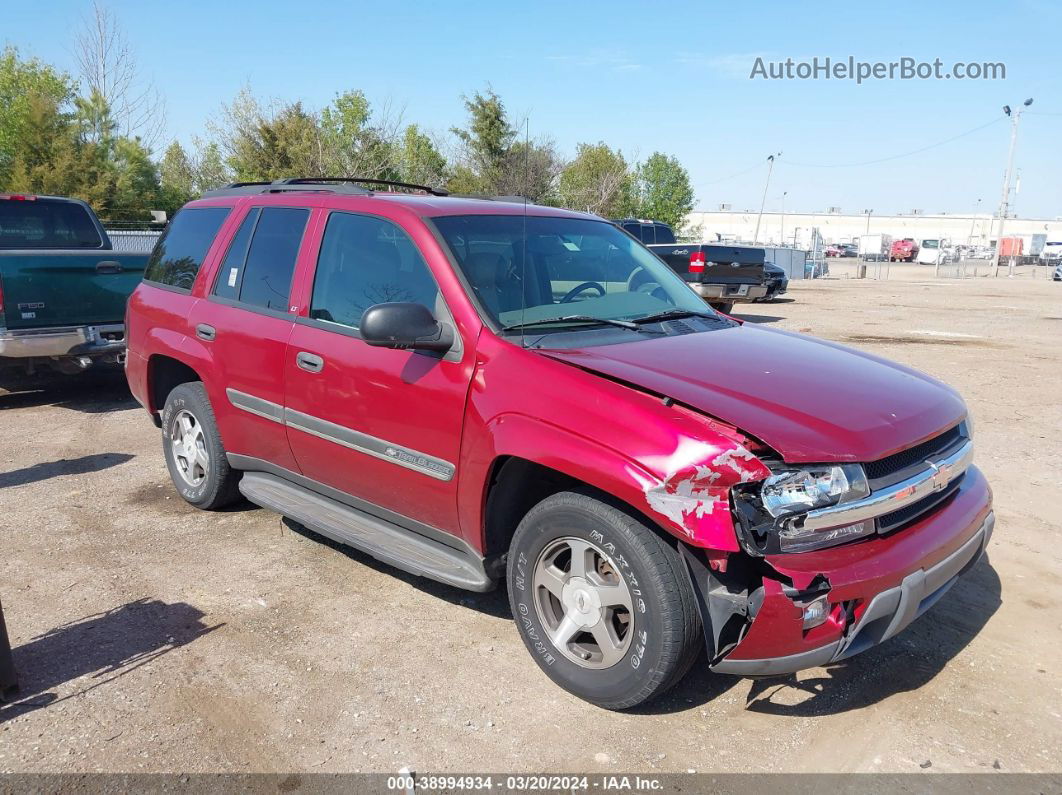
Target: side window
227 282
177 256
366 261
664 234
635 229
647 234
267 272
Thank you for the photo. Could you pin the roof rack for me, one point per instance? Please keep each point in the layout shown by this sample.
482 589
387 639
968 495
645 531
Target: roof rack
350 185
485 197
366 181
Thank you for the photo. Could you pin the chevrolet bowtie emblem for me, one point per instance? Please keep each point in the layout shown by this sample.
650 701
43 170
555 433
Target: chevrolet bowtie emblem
941 476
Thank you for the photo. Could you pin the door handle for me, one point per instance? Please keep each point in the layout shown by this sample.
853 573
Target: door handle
108 266
309 362
205 332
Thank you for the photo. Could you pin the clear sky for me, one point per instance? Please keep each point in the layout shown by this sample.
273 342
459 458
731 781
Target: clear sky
642 77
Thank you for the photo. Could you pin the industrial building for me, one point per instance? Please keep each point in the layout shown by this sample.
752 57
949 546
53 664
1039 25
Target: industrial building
794 229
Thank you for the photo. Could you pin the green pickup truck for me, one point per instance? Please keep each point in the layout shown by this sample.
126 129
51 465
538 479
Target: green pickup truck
63 288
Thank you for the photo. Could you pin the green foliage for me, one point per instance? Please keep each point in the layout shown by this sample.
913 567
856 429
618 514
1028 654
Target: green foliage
486 143
55 141
419 161
598 180
29 89
662 190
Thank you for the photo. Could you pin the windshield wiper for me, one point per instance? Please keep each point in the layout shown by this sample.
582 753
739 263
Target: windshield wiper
627 324
673 314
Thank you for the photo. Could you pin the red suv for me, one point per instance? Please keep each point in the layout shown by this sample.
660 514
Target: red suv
473 390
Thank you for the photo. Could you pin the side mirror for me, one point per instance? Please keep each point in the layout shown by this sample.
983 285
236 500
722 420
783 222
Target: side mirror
405 327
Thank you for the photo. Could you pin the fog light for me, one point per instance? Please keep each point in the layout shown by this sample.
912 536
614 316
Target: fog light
799 539
816 612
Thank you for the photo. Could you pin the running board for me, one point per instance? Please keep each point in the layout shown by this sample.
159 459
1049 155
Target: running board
385 541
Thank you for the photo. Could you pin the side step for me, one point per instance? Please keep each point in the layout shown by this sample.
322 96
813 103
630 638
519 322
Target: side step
385 541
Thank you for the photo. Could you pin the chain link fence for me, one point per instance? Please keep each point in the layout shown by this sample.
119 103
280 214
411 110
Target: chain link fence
132 236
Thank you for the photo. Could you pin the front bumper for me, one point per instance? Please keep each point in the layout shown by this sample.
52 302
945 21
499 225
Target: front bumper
62 341
730 292
876 587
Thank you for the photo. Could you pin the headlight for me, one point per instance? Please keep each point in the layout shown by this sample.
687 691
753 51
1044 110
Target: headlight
799 490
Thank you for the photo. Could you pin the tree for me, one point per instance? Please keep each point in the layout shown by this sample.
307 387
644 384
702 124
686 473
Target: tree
486 143
109 70
31 92
177 178
598 181
531 170
662 190
136 182
354 143
209 168
419 161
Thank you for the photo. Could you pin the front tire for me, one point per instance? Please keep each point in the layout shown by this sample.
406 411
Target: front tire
194 453
602 603
726 307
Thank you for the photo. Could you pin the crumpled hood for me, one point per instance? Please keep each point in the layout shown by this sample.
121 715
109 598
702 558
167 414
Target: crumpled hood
809 399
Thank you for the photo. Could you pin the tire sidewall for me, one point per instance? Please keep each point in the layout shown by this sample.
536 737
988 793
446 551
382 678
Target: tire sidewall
643 658
187 398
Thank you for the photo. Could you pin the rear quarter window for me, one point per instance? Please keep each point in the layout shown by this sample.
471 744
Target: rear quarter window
180 252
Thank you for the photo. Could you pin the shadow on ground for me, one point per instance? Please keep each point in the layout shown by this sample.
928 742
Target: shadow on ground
65 466
755 318
102 647
92 392
493 603
906 662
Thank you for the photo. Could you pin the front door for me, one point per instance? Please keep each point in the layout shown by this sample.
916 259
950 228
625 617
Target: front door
381 425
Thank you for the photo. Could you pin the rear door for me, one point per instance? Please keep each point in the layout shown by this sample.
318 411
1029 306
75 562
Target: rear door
55 268
380 425
246 321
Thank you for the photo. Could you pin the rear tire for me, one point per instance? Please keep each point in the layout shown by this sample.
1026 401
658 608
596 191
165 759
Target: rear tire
194 453
623 631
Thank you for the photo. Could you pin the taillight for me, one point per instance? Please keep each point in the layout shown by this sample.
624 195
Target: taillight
697 262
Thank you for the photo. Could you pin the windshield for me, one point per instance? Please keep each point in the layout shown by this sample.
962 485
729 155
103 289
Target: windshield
930 244
44 223
572 267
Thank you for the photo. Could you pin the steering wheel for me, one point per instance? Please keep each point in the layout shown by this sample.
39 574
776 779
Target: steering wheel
581 289
641 282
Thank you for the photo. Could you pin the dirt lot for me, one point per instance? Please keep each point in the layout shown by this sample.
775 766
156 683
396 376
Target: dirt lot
154 637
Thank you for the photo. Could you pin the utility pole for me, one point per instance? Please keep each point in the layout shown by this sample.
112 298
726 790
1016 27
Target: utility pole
759 218
1003 204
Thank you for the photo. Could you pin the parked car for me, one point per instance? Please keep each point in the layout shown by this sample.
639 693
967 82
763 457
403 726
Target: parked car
930 252
903 250
475 390
62 287
721 275
777 281
833 250
1058 273
981 252
849 249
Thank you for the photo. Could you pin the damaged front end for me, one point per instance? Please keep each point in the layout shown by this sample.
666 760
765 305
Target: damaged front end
766 545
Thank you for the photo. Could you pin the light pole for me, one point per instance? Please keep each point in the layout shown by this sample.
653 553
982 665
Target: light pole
1014 119
973 220
763 201
862 270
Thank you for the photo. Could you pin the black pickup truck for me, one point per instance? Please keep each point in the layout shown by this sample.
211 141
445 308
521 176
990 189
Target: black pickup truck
721 275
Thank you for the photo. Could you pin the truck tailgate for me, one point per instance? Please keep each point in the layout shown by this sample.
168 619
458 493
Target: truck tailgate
723 264
66 288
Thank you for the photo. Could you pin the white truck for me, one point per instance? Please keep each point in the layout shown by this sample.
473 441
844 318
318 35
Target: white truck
874 248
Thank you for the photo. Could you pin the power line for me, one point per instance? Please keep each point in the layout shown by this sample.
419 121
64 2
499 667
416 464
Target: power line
896 157
759 164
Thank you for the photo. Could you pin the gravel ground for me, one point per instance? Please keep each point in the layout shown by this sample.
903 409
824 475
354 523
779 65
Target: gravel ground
152 637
